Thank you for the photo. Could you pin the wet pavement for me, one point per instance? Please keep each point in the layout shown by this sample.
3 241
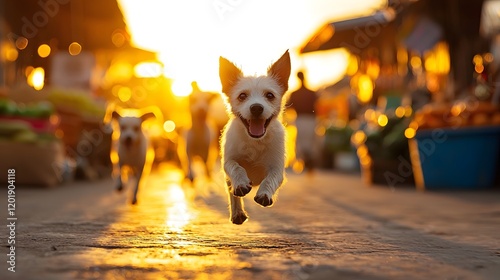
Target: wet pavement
325 226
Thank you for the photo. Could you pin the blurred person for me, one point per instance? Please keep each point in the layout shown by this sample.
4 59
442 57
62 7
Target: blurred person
303 101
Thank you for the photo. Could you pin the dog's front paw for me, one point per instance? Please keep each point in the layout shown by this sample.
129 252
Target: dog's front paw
239 218
264 200
242 189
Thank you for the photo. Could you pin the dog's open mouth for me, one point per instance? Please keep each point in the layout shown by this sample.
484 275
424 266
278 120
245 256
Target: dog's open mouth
256 127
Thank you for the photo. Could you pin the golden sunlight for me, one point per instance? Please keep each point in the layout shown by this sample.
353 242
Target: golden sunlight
189 37
178 214
36 78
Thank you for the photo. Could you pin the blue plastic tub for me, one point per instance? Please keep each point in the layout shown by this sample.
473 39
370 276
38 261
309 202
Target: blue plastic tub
455 158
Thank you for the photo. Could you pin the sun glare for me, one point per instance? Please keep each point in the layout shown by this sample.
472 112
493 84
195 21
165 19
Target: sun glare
189 37
178 215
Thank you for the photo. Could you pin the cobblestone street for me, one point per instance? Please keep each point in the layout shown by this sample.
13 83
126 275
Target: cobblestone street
325 226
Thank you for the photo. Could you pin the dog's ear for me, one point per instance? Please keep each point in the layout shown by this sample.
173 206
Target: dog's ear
280 70
115 115
147 115
229 74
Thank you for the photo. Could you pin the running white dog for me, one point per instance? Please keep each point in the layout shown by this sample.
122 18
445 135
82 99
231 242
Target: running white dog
132 149
253 141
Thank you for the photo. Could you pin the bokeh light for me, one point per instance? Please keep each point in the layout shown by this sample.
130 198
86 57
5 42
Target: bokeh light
44 50
169 126
21 43
36 78
74 48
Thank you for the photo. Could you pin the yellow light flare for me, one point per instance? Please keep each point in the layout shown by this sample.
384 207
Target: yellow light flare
370 115
290 115
11 54
124 94
352 65
119 71
324 68
410 133
181 88
298 166
178 214
190 46
432 83
443 58
149 69
36 78
457 109
362 151
382 120
365 161
74 48
44 50
291 136
416 62
169 126
478 59
479 68
400 111
402 56
358 138
373 70
413 125
155 130
365 86
408 111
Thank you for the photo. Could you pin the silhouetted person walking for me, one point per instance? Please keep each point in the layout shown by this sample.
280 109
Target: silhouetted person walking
303 101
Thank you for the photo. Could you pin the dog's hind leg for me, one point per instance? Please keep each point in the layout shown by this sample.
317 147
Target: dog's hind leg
138 175
237 212
119 179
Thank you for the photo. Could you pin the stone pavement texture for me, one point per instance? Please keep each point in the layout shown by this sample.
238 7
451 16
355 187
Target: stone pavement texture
325 226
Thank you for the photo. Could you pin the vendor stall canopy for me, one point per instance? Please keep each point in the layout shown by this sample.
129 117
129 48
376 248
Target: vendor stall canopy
93 24
417 24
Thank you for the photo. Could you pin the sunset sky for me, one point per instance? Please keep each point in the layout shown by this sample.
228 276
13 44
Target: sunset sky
189 36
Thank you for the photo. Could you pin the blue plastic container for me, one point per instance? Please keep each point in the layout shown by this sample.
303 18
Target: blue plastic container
455 158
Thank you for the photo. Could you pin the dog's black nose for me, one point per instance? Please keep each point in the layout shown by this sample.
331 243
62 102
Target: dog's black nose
256 110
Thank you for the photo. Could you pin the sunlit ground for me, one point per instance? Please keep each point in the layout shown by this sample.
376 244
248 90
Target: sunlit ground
159 231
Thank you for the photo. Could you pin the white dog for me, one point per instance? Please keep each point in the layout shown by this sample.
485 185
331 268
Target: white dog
132 149
253 141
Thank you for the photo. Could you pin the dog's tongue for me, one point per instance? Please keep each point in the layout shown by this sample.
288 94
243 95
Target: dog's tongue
257 127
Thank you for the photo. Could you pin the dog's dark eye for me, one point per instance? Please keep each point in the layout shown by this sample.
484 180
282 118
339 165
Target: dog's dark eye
136 128
242 96
270 95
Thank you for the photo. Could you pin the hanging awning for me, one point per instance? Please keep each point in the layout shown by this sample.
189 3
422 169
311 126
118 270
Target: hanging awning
354 34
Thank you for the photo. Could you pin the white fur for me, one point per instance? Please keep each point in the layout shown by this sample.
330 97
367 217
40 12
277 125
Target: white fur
132 147
248 160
